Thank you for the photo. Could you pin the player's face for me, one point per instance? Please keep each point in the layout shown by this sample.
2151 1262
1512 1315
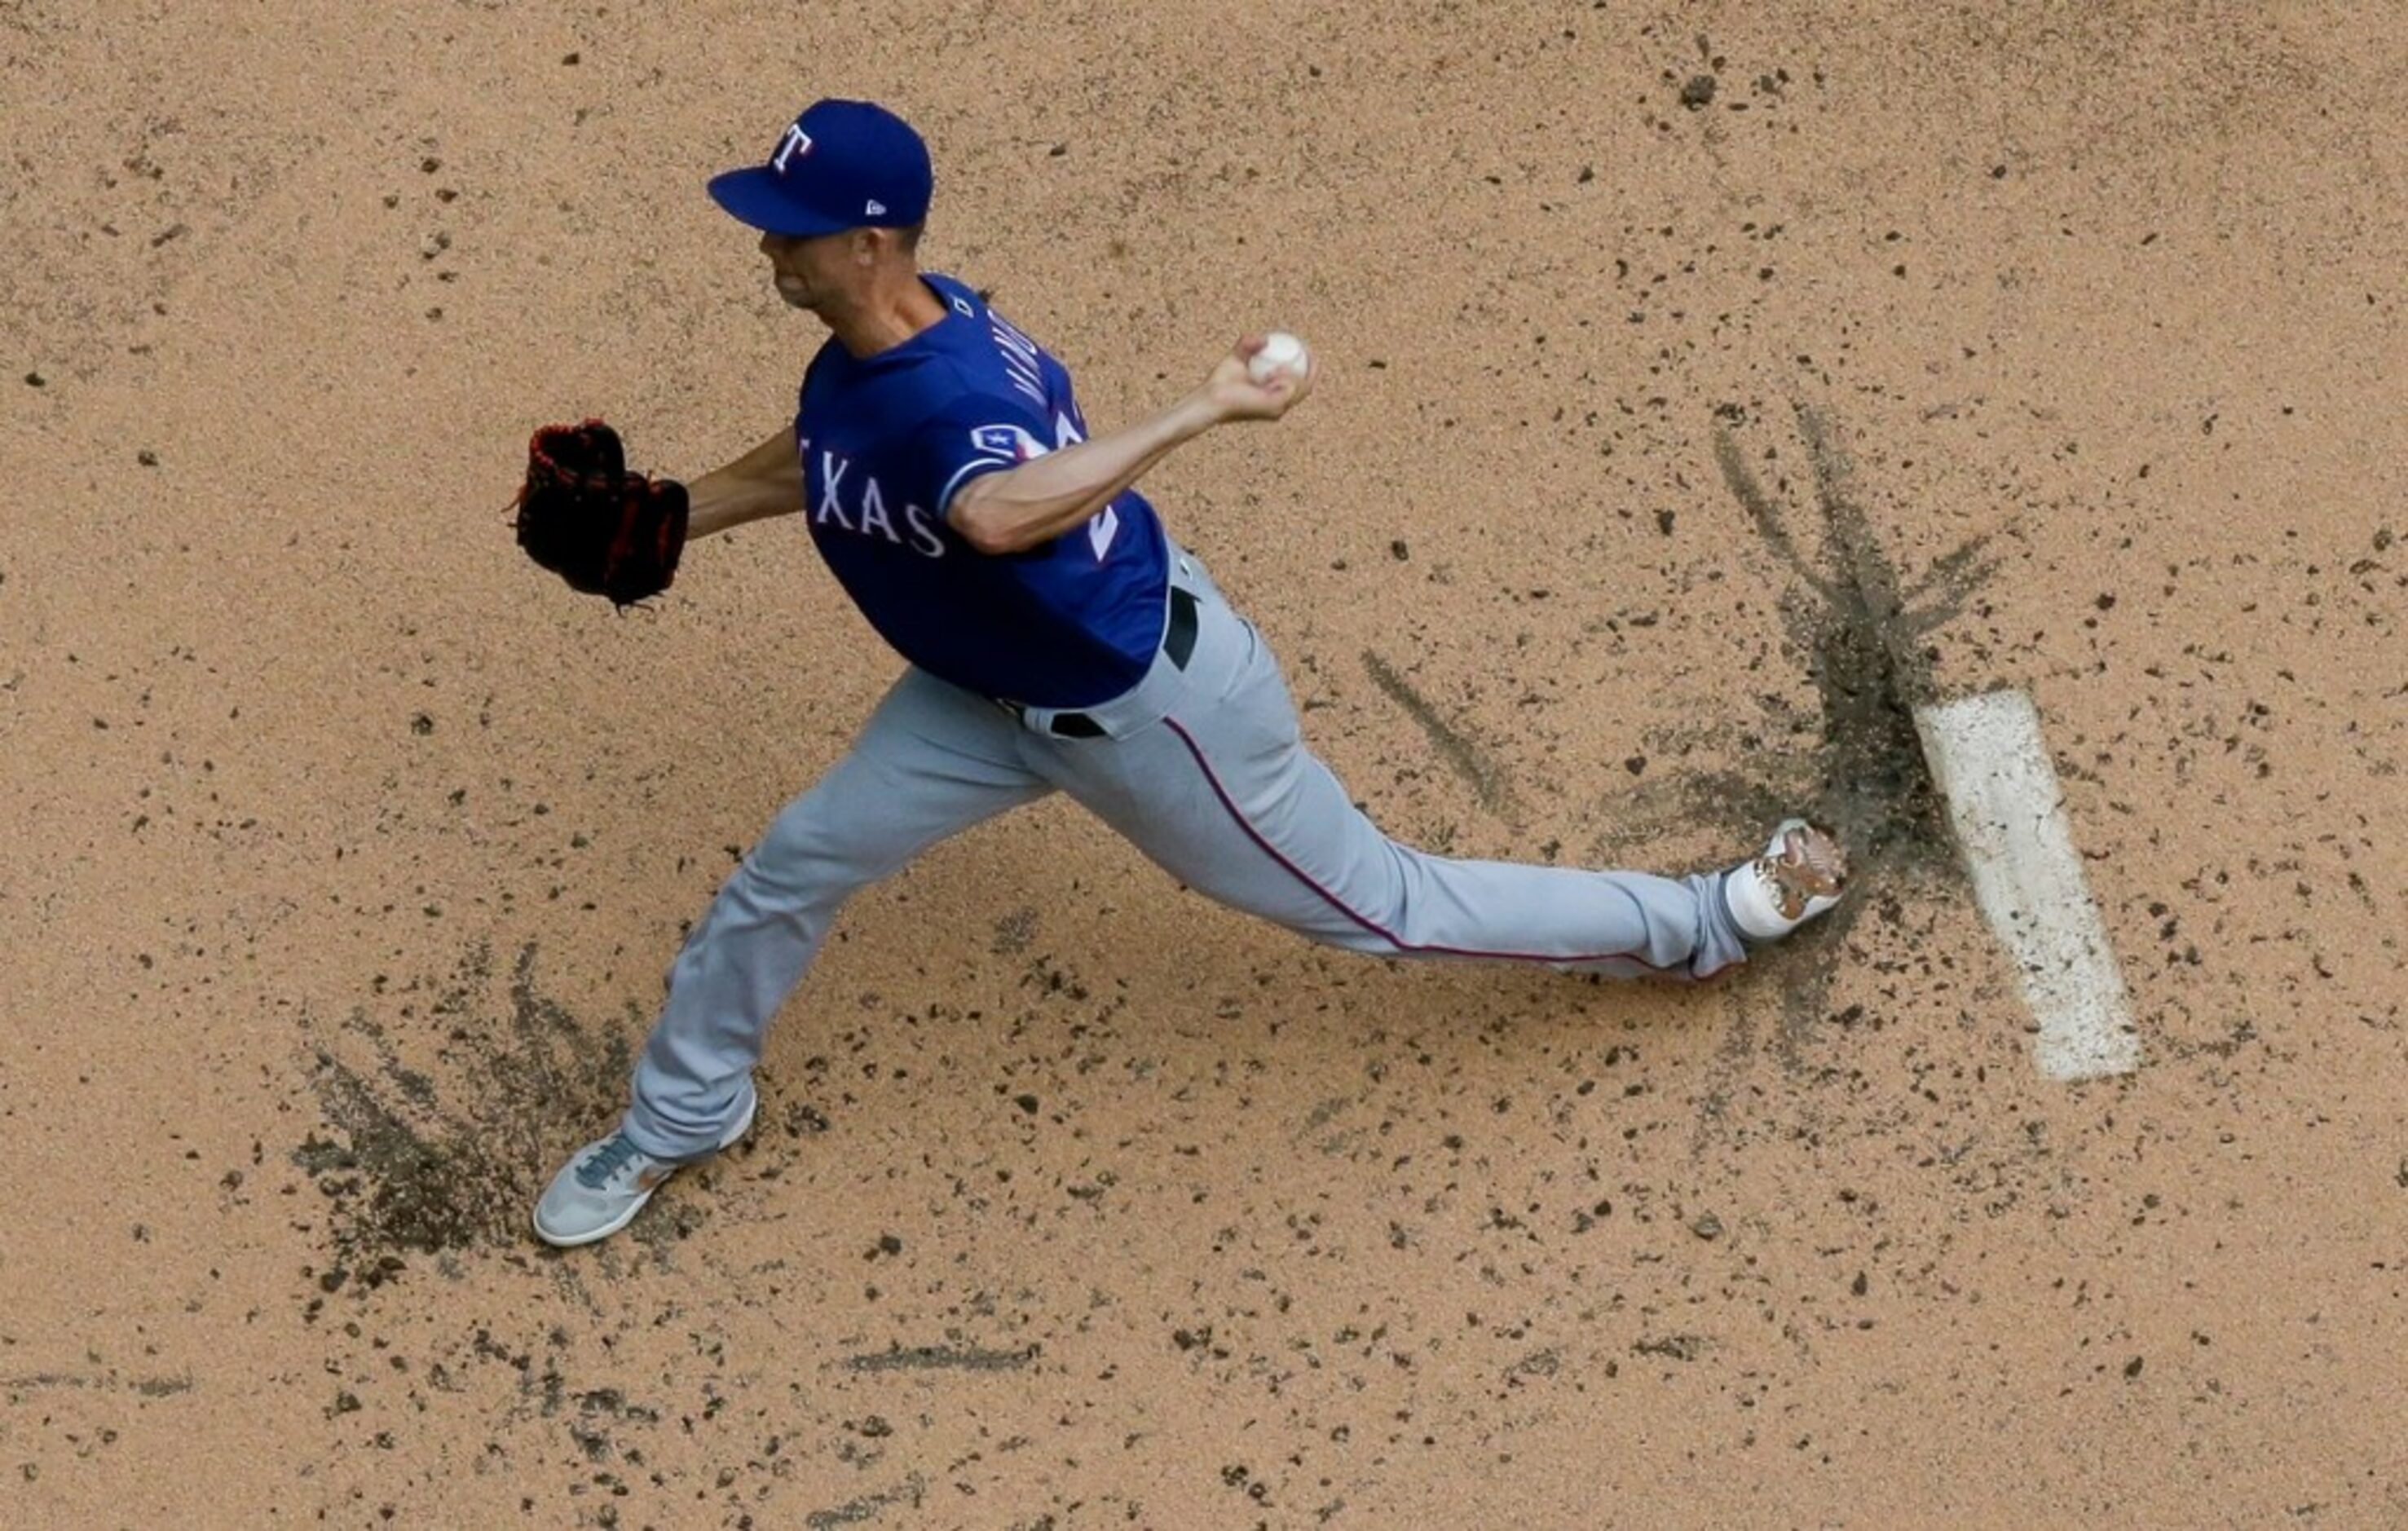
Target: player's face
807 271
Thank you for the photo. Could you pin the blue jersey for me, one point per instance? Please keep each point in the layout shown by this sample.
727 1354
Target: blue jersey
887 440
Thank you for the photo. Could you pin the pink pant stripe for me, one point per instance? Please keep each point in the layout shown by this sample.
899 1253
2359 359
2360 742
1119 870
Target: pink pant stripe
1357 917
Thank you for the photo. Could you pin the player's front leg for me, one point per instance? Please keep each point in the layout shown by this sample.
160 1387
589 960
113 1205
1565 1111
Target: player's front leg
932 761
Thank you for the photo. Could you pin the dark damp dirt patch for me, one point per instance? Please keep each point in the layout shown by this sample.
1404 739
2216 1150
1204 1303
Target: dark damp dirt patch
1865 629
429 1161
1852 758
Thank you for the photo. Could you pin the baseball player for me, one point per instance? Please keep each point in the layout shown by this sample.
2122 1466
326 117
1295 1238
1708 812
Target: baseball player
1055 639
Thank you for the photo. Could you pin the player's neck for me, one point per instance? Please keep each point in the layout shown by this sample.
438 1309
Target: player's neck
893 310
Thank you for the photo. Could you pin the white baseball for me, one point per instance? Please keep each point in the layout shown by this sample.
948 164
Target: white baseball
1280 352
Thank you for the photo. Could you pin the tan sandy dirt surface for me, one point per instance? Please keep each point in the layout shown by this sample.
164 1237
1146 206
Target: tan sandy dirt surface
1701 388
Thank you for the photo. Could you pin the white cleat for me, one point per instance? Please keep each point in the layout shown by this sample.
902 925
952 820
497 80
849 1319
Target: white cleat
1802 874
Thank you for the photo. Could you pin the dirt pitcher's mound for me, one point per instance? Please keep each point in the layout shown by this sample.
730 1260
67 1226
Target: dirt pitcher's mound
1694 399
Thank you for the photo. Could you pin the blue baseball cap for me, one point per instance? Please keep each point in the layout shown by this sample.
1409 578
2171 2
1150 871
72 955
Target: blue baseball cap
843 164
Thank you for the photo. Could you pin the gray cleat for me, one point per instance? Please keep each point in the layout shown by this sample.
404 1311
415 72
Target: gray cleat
606 1182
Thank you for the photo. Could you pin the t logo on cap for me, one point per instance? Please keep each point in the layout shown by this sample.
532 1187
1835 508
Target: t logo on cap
795 142
842 164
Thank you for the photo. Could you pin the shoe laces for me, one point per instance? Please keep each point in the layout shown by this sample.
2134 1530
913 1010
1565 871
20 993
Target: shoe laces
600 1167
1810 865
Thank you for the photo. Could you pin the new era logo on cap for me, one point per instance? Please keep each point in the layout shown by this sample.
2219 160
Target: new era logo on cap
841 165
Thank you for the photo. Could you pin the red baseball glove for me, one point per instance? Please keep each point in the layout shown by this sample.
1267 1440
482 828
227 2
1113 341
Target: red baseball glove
584 517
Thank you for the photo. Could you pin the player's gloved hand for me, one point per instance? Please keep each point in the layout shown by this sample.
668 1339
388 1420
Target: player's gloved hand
1236 395
584 517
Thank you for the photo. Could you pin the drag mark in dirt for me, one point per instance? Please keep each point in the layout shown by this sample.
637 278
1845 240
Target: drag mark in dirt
854 1511
149 1387
1466 759
941 1357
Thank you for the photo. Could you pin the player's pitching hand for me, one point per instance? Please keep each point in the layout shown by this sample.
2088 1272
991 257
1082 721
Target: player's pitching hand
1237 396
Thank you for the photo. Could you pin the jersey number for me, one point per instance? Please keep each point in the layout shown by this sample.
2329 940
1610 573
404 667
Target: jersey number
1105 526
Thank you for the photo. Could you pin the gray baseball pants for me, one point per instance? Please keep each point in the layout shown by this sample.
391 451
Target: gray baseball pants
1200 766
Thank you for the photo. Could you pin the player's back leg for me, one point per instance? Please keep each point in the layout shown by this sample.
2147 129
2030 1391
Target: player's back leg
1224 793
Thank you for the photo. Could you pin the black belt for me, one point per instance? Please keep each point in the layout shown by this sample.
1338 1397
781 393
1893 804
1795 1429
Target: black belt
1177 644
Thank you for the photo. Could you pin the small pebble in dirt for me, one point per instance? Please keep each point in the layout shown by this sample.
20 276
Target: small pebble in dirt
1698 92
35 380
147 457
1708 1226
1664 522
1398 550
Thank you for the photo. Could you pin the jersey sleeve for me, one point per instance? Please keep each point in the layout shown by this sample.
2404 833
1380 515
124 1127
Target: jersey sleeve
971 434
